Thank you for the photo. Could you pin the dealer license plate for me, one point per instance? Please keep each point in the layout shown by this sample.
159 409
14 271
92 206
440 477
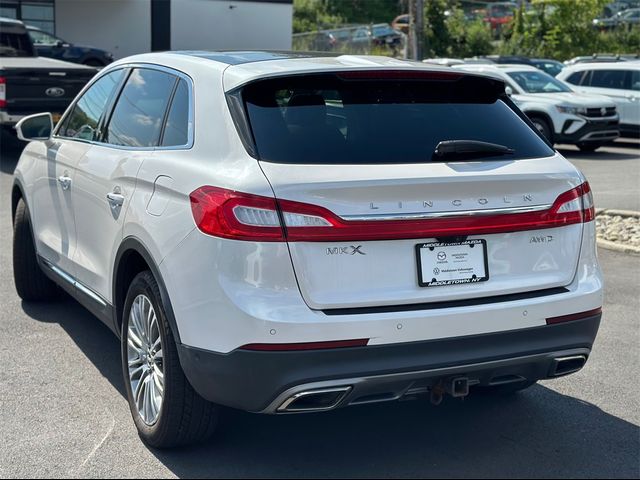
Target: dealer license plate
441 264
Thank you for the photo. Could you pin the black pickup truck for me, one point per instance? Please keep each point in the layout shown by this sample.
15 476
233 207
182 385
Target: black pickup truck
31 84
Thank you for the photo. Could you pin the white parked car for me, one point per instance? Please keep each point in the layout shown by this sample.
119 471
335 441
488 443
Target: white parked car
281 233
618 81
560 114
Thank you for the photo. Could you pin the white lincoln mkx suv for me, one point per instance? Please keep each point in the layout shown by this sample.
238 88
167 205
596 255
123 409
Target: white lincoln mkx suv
285 233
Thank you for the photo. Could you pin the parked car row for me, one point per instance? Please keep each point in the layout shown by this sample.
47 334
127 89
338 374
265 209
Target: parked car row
358 38
624 18
30 83
618 81
560 114
587 104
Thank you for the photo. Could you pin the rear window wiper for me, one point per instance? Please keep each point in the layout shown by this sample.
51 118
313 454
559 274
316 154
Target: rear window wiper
468 149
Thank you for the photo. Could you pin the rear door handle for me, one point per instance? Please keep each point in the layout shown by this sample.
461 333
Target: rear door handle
65 182
116 199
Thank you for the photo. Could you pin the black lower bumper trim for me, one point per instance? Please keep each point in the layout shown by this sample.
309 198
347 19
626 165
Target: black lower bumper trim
594 130
511 297
250 380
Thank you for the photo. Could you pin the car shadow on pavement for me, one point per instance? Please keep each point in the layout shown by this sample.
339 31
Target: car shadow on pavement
96 341
536 433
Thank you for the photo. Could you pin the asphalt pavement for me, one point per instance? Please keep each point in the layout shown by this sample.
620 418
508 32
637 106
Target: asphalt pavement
613 173
63 412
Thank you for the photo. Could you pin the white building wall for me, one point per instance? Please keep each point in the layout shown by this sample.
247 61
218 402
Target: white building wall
122 27
221 24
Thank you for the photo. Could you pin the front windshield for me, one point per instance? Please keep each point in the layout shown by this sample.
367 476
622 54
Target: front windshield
538 82
552 68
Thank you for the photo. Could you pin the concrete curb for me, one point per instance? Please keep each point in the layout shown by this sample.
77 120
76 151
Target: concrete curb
621 213
618 247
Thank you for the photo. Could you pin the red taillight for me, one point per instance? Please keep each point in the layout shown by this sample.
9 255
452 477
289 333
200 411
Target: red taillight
214 210
3 92
574 316
242 216
288 347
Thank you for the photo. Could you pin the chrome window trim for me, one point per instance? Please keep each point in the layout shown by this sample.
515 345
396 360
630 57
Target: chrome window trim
459 213
148 66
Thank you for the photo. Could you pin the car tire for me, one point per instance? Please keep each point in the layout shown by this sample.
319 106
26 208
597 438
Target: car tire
507 388
166 409
31 283
543 127
588 147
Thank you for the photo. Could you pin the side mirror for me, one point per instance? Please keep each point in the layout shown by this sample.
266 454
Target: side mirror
60 44
508 90
35 127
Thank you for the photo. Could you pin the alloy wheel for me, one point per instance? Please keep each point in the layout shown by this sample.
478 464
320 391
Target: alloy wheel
144 359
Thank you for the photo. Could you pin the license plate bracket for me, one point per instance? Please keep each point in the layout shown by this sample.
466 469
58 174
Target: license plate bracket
452 263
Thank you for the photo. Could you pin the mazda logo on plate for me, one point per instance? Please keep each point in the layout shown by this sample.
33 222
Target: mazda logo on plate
54 92
442 256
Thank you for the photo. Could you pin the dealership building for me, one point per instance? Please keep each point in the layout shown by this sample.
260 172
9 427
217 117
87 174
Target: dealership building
127 27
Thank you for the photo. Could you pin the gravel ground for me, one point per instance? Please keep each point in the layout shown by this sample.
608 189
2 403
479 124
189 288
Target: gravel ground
620 229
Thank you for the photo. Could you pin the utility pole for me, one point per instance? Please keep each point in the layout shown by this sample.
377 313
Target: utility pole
419 29
416 28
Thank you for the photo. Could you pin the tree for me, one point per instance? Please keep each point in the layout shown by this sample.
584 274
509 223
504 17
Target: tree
365 11
555 28
436 36
468 38
312 15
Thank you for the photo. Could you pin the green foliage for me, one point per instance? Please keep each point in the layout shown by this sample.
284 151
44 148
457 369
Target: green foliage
436 39
468 38
563 29
312 15
558 29
365 11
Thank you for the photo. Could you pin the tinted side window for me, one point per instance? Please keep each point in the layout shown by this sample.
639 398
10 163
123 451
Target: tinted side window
574 78
176 130
83 120
610 79
635 80
42 38
137 116
15 42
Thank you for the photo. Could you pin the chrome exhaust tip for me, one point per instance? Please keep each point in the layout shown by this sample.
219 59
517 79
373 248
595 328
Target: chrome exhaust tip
566 365
314 400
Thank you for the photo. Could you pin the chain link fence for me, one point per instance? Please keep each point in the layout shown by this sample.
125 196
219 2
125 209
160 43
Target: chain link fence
378 39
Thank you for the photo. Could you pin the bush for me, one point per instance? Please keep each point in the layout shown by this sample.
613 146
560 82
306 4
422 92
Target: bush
468 38
564 29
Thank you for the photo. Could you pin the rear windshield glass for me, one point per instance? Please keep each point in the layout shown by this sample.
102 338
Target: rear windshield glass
14 43
327 119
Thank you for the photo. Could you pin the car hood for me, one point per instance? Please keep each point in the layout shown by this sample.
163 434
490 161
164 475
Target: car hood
567 98
40 62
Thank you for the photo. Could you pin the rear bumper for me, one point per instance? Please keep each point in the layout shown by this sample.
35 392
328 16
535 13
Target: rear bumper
10 119
263 381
